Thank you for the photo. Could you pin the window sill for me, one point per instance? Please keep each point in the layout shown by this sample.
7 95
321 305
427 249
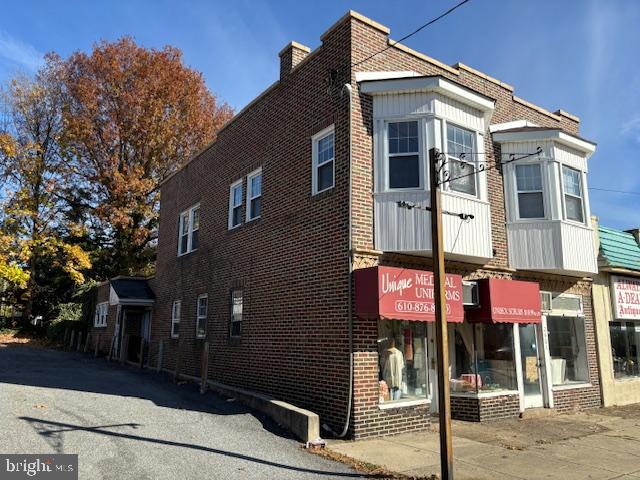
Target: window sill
234 227
322 193
403 404
496 393
175 337
187 253
100 326
571 386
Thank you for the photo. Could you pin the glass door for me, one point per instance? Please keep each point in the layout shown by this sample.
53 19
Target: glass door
531 363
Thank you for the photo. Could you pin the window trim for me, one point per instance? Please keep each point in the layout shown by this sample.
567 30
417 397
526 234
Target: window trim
100 319
190 212
175 319
517 192
231 314
315 166
257 172
232 207
202 317
422 175
564 195
472 162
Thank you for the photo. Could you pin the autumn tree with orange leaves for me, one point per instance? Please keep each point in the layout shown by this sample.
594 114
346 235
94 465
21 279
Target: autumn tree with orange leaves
132 117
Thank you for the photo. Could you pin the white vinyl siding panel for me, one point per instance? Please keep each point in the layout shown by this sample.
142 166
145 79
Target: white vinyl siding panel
404 230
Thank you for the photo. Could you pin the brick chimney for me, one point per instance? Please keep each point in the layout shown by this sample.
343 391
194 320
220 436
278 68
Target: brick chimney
290 56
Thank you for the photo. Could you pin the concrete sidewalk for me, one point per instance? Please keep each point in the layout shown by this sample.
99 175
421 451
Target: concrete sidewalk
602 444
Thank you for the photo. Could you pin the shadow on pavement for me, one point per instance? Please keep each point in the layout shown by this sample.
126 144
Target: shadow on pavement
49 428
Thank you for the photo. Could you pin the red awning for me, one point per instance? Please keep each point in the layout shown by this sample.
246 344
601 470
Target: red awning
507 301
404 294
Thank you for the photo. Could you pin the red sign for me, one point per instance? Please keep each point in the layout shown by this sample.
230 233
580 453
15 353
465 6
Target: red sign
507 301
404 294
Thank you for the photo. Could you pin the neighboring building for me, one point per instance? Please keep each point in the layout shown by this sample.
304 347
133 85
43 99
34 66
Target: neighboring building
616 307
122 319
283 243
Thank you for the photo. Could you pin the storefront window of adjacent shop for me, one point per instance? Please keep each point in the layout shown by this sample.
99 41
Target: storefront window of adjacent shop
402 352
567 349
625 340
482 359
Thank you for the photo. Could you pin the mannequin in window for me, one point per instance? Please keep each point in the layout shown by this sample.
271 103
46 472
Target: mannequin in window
392 372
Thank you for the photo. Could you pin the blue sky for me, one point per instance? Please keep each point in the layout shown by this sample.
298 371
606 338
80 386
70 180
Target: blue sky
580 55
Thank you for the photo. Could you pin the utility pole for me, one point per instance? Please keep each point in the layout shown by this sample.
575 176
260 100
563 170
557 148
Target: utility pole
442 346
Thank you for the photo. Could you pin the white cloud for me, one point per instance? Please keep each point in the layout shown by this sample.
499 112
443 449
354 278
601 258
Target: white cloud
19 52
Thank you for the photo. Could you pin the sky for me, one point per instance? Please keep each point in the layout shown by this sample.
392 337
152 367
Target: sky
578 55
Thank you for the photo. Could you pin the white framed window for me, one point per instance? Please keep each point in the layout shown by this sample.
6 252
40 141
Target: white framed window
201 316
323 153
235 204
254 195
403 155
529 191
235 327
188 230
100 319
573 200
175 318
461 165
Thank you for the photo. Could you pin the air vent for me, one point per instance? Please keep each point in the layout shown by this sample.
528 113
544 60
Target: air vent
470 294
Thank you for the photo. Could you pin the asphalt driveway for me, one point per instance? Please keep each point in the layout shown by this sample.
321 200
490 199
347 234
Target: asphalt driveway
130 424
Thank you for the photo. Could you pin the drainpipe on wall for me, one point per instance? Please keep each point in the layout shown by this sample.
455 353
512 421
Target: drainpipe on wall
348 88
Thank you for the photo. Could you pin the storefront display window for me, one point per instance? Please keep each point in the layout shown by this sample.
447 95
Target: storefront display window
567 349
402 352
625 339
482 358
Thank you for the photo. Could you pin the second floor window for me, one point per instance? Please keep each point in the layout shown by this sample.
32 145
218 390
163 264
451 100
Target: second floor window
189 227
254 195
235 204
530 192
572 185
323 161
460 151
404 155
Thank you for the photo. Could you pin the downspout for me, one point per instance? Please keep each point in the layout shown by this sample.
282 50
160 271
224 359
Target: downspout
348 88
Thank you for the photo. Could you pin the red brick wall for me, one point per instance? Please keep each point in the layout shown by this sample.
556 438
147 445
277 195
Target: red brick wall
292 263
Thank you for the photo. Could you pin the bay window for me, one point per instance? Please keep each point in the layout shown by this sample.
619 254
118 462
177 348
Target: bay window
460 160
530 192
403 147
573 202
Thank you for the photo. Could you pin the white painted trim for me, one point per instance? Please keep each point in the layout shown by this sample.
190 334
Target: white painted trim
497 393
552 134
518 359
571 386
235 184
428 84
365 76
547 394
497 127
315 139
401 404
251 176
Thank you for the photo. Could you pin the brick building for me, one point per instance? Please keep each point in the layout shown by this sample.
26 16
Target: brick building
283 245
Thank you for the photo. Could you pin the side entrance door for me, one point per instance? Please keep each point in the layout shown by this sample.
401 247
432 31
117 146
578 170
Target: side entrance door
531 358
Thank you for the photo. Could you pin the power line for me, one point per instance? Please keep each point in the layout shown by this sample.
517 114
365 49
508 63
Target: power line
430 22
614 191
